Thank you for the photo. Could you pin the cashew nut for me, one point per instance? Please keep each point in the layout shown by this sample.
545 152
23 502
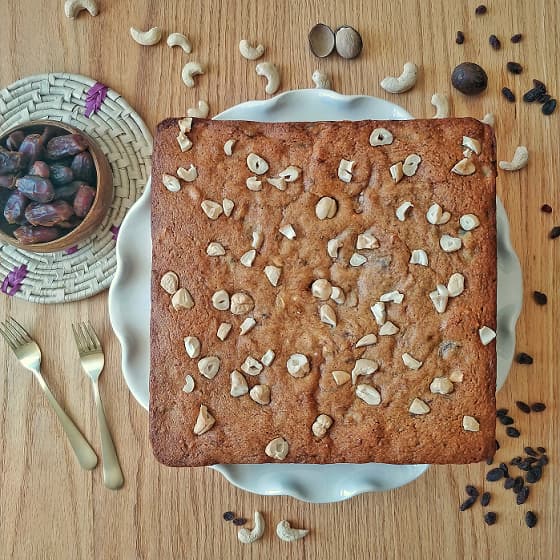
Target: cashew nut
321 80
286 533
248 537
272 75
404 82
488 119
201 112
249 52
189 70
519 161
179 40
73 7
146 38
441 103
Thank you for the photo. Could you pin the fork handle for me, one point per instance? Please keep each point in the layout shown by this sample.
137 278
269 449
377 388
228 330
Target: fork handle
112 473
85 454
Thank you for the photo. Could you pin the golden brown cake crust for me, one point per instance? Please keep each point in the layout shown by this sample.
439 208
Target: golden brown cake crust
287 315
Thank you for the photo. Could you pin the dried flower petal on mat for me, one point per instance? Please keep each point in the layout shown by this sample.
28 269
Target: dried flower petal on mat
95 96
14 279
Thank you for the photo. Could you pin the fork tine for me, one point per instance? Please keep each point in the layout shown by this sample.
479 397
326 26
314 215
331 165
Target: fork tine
78 338
7 337
89 342
14 333
93 336
17 327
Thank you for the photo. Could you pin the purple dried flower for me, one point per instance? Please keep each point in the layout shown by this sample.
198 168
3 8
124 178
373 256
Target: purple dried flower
115 231
14 279
71 250
94 98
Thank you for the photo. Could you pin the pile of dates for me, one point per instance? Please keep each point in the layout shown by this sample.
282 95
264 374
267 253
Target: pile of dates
52 180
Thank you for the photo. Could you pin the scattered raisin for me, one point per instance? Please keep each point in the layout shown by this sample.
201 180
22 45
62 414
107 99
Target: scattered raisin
485 499
530 451
554 232
505 420
516 38
508 94
522 496
534 474
524 358
514 67
494 42
540 298
471 491
239 521
546 208
539 407
228 515
518 484
508 483
467 504
501 412
490 518
481 10
549 107
530 519
524 407
512 432
494 475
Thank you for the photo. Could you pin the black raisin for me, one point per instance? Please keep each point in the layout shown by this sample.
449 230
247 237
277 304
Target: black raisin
522 495
554 232
508 483
501 412
546 208
534 475
508 94
467 503
524 358
530 519
540 298
228 515
494 42
471 491
481 10
549 107
485 499
524 407
538 407
460 38
514 67
494 475
518 484
516 38
512 432
239 521
490 518
505 420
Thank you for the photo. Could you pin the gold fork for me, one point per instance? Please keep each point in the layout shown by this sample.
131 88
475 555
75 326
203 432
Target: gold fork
29 355
93 360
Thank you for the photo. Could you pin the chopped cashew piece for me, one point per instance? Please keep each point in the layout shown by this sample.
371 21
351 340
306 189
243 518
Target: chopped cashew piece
228 206
297 365
247 325
440 297
268 357
411 362
248 51
337 295
215 249
357 260
322 423
370 395
396 171
253 184
363 367
290 174
456 376
441 102
209 366
488 119
191 69
241 303
284 530
345 170
456 284
220 300
223 331
288 231
472 144
170 183
273 274
277 182
470 424
327 315
169 282
519 161
333 245
469 222
380 137
182 299
321 289
326 208
403 209
212 209
192 346
450 244
228 146
256 164
464 167
201 111
258 238
204 421
277 448
441 385
260 394
366 340
272 75
436 216
418 406
321 80
402 83
238 384
248 258
185 124
367 240
419 256
487 335
251 366
146 38
247 537
379 313
184 142
188 387
388 329
395 296
341 377
410 165
189 174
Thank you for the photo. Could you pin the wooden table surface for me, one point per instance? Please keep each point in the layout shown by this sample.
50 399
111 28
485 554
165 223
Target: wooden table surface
50 508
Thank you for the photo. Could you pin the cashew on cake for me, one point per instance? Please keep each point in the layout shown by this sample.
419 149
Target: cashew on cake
323 292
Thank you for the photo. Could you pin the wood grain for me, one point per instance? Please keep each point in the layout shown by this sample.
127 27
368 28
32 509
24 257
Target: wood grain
52 509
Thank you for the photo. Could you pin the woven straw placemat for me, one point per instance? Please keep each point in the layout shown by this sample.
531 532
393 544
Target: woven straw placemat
88 268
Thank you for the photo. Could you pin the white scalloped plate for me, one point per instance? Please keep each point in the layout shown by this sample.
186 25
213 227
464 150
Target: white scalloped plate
129 309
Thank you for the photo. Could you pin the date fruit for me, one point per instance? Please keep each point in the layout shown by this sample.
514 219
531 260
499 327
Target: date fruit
11 162
32 148
84 168
68 145
50 214
68 192
8 181
61 174
36 188
14 211
40 169
83 200
14 140
36 234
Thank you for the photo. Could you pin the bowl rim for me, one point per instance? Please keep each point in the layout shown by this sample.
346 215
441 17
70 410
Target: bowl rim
103 193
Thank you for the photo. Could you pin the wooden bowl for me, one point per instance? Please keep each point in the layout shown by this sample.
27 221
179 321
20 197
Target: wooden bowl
100 206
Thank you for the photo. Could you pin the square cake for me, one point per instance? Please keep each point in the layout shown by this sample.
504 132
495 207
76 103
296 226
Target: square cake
323 292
